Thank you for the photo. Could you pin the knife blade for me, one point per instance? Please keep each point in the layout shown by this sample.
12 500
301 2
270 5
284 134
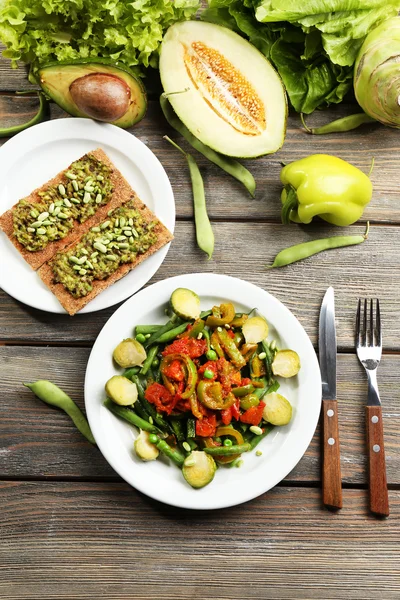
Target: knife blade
331 473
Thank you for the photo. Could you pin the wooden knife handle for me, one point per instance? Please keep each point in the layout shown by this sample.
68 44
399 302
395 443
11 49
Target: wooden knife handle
378 492
331 475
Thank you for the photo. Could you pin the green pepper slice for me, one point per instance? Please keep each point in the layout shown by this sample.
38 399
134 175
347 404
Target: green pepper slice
230 348
239 321
243 390
197 328
210 394
216 345
222 315
190 370
249 401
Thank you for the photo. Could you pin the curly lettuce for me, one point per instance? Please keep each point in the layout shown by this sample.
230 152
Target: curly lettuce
40 31
313 44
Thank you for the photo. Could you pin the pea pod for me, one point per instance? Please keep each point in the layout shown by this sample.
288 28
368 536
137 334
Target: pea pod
204 232
339 125
300 251
51 394
227 164
38 118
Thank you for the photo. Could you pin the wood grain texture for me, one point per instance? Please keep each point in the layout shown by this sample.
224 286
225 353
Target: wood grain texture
330 447
226 198
243 250
81 541
38 441
378 493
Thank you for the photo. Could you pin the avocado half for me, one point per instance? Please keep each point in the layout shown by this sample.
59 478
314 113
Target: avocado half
97 88
223 89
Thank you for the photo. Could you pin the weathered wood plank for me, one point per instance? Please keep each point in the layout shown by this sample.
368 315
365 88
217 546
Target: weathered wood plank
243 250
226 197
37 441
71 540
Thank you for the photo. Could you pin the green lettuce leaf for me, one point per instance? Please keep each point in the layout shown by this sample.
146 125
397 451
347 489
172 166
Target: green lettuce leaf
39 31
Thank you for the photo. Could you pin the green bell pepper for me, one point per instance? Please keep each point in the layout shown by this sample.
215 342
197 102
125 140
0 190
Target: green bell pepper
325 186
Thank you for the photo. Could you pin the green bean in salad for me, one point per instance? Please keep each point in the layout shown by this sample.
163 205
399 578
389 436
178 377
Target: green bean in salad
204 388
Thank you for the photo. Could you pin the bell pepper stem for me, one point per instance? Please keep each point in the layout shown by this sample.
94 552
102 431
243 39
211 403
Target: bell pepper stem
290 204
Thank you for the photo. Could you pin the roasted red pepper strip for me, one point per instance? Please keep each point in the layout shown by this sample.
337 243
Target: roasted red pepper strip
191 372
253 415
222 315
207 426
230 348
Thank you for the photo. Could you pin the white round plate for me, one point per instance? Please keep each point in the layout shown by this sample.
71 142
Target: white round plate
35 155
281 449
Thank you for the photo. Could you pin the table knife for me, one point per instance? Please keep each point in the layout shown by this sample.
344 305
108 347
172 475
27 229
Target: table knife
331 475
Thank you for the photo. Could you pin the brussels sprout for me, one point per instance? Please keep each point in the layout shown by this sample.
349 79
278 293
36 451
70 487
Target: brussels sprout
121 390
199 469
277 409
286 363
185 304
129 353
255 330
144 448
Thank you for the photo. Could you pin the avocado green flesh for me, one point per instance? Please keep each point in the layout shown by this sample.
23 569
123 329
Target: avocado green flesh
74 205
117 243
55 80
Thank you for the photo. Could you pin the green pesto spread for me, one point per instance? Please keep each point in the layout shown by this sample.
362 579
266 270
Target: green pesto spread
84 188
119 239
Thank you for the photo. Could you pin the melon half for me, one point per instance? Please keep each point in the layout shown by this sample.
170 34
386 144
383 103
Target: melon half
223 89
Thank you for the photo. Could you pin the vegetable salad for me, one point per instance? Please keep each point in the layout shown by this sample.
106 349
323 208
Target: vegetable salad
201 389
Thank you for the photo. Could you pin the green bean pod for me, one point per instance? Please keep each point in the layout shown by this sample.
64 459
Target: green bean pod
228 450
146 329
339 125
131 417
38 118
154 337
152 353
51 394
204 232
300 251
170 335
227 164
173 453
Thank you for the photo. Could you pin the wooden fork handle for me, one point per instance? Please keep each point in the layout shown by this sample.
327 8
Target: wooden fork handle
331 474
378 492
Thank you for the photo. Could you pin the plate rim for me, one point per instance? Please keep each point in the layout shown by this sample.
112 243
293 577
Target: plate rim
34 140
95 422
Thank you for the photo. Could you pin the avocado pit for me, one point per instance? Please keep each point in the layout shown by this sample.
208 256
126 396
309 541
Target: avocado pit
101 96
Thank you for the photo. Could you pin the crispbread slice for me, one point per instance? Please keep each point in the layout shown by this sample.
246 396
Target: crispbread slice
122 191
73 305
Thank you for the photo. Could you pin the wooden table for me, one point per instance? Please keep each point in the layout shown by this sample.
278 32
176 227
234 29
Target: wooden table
70 528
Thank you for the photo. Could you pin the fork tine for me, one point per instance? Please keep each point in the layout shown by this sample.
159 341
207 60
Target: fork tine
378 324
371 323
364 333
358 318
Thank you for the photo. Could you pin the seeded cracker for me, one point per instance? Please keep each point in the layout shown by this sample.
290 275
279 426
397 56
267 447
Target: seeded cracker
121 191
73 305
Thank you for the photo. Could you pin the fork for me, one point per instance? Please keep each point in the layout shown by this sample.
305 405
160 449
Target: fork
369 352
